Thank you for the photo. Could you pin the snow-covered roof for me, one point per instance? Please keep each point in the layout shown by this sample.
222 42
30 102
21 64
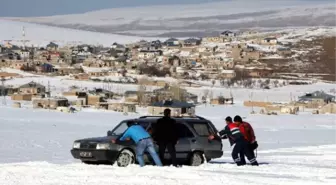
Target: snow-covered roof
228 71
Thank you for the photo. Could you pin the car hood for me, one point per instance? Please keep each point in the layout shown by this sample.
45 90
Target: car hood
98 139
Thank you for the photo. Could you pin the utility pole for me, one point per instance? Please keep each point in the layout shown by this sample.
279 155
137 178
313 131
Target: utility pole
3 92
49 95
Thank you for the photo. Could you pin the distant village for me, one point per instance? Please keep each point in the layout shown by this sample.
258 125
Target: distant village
229 58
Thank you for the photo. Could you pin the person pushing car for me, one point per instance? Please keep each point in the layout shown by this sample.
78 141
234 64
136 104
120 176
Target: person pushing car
143 142
240 147
165 134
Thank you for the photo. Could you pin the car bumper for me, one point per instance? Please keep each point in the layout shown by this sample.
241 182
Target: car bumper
214 154
97 155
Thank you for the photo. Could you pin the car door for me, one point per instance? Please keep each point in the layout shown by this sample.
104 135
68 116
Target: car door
203 130
183 146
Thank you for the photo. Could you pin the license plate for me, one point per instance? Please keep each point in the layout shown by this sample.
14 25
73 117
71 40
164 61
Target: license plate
85 154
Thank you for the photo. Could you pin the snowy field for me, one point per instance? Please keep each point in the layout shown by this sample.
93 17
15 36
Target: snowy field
294 149
35 149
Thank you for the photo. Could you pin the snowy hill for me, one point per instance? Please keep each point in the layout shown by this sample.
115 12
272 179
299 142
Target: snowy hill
41 35
176 20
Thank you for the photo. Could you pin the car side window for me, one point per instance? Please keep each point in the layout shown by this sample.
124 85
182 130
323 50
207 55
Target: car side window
202 128
144 124
183 131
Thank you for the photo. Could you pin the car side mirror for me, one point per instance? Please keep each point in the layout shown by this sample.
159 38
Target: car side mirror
109 133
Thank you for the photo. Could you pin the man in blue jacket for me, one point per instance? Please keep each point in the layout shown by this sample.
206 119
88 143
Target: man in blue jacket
143 142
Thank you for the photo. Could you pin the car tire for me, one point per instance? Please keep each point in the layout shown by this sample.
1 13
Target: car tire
125 158
196 159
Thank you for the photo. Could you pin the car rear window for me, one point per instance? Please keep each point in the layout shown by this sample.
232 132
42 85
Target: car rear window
202 128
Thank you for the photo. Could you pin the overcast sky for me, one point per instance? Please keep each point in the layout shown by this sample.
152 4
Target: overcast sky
26 8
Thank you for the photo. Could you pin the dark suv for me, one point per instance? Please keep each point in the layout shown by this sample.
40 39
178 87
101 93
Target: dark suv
193 146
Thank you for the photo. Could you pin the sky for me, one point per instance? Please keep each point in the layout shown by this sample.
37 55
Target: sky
33 8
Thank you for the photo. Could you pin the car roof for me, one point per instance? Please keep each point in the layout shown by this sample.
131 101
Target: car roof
154 118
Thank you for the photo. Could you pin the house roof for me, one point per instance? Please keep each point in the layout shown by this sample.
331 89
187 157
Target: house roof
32 84
192 40
226 32
173 104
171 40
270 38
317 95
51 44
130 92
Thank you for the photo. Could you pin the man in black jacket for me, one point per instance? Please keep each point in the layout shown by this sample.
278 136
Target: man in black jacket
165 134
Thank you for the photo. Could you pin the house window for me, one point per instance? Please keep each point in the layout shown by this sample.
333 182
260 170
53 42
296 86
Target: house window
184 110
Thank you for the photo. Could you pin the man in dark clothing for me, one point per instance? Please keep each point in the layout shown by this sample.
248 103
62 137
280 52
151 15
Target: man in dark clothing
165 133
240 148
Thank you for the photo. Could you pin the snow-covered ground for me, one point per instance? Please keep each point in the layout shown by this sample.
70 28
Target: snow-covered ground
153 20
41 35
294 149
35 149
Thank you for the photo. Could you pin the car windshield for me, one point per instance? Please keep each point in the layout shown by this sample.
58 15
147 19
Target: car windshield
123 127
120 129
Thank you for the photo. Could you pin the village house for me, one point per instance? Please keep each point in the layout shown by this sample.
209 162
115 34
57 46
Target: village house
95 100
318 97
221 100
67 70
80 76
52 47
102 92
32 88
227 33
227 74
269 41
118 107
7 90
50 103
177 108
118 47
257 72
212 40
76 97
20 65
284 51
191 42
329 108
172 42
243 53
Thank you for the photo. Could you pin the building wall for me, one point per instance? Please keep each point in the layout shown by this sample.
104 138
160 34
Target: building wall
329 108
22 97
32 90
93 100
256 104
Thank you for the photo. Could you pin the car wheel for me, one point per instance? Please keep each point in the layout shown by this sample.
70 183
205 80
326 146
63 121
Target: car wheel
196 159
125 158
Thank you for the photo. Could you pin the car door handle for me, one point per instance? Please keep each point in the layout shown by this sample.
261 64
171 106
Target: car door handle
193 140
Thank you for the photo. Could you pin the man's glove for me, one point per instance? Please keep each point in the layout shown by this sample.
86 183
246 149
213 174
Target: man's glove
254 145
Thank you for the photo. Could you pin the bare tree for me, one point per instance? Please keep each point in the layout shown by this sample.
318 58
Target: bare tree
213 82
177 92
142 87
210 95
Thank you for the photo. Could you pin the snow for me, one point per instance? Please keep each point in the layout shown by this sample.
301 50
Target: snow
155 20
41 35
34 149
294 149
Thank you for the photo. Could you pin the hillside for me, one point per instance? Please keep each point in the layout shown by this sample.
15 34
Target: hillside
198 20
